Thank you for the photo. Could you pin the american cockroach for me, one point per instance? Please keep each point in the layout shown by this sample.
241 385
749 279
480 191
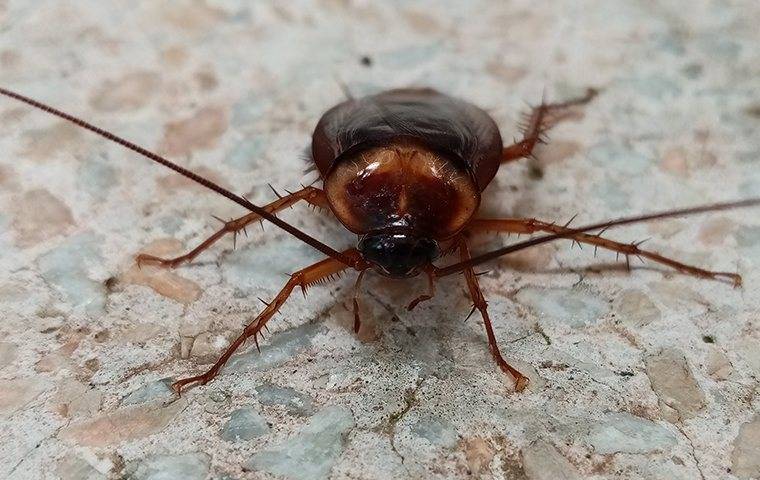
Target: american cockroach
404 170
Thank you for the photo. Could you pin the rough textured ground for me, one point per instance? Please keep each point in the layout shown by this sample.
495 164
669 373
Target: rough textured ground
650 374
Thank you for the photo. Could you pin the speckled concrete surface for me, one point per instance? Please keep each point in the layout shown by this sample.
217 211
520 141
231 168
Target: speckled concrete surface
649 374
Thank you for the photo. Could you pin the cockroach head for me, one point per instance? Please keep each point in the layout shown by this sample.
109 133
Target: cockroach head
399 254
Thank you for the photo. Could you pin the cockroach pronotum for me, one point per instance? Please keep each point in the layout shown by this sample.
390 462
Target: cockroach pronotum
404 170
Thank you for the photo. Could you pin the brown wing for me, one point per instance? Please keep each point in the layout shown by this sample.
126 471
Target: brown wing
442 123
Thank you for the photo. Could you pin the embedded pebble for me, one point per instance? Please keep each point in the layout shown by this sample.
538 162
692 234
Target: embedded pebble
45 143
121 425
674 160
613 197
163 280
571 307
436 431
636 309
621 158
295 402
249 110
244 424
8 353
73 399
746 349
271 265
39 216
246 155
674 384
478 453
189 466
192 327
716 231
209 345
96 176
76 468
718 365
66 268
141 333
745 458
130 92
558 151
14 394
748 238
542 461
311 454
283 347
655 86
530 260
159 389
198 132
626 433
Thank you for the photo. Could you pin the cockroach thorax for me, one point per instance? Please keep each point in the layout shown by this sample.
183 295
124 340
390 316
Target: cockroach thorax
402 186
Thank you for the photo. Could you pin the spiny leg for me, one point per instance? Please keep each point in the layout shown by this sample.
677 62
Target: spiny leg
530 225
317 273
425 296
312 195
537 123
521 381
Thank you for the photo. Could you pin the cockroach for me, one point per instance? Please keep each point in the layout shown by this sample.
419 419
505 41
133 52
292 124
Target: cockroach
404 170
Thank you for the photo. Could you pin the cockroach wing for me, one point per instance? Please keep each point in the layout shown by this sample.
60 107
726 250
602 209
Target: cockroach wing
451 127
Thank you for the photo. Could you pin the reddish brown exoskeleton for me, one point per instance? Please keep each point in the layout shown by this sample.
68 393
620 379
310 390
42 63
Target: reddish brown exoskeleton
404 169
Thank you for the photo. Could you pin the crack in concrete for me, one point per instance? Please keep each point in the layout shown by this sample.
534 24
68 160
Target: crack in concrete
678 424
410 400
693 450
39 444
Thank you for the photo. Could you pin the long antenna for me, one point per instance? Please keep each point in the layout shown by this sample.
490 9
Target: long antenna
304 237
458 267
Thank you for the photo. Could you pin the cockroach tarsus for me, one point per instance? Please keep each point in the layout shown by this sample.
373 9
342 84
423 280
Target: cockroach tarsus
404 170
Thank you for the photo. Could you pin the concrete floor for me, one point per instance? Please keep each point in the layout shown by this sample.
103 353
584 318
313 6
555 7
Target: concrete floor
648 374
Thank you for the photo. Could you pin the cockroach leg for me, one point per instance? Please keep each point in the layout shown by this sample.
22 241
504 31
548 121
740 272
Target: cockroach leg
426 296
529 225
312 195
357 317
319 272
521 381
537 123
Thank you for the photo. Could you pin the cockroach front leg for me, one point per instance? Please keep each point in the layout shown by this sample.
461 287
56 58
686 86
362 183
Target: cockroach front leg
537 122
425 296
312 195
529 225
479 303
309 276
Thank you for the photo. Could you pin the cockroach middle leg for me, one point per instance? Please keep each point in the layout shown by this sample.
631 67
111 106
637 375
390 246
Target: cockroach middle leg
357 315
479 301
305 278
529 225
312 195
537 122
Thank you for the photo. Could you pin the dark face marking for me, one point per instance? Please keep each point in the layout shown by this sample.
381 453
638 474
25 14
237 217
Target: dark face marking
398 255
